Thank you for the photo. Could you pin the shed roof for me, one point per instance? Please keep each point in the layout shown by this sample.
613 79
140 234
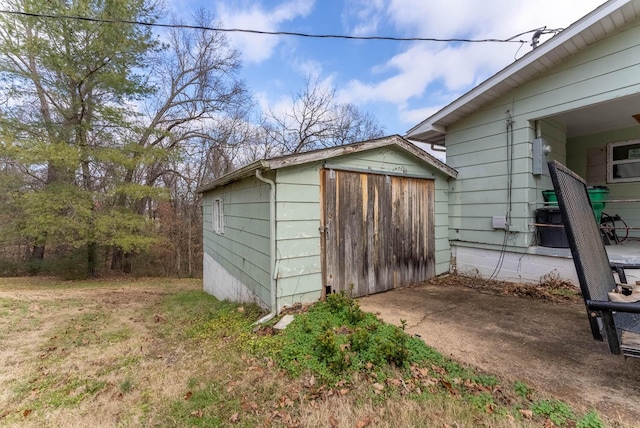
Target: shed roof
595 26
331 152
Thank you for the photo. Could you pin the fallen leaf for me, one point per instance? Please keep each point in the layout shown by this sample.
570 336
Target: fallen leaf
439 370
27 412
249 406
197 413
333 421
187 396
343 391
362 423
526 413
378 387
430 381
394 382
234 418
549 424
450 389
312 380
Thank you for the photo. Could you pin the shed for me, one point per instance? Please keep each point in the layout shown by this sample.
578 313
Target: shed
364 218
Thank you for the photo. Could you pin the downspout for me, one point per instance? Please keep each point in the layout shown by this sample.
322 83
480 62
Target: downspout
438 149
272 247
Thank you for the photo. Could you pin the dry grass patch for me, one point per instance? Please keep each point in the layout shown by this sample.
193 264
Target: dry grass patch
81 353
166 354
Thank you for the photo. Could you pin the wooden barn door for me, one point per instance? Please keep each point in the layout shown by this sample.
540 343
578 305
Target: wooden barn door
378 231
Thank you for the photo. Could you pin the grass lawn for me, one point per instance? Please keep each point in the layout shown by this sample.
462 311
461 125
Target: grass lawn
160 352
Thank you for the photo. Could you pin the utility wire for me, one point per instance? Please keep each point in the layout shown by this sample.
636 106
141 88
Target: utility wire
511 39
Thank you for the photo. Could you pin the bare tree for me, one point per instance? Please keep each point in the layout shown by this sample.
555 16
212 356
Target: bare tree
315 120
197 88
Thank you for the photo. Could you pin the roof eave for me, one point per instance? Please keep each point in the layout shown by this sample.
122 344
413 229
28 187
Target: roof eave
244 172
438 120
319 155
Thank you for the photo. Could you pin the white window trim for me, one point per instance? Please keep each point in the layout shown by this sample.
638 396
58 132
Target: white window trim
217 216
611 162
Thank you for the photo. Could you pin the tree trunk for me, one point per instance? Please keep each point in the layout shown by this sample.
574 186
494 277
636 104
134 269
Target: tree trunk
92 259
37 253
121 260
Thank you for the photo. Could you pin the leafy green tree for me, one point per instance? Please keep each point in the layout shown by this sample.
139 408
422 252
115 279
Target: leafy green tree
69 89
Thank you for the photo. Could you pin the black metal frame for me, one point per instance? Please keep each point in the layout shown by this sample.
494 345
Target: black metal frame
590 258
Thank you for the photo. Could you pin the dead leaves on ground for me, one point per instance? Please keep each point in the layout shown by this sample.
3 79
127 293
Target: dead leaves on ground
550 288
310 391
361 423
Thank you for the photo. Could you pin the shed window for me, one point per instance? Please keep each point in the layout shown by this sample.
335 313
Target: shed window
623 161
218 216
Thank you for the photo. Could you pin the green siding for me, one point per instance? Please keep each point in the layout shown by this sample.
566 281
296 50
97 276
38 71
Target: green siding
388 158
298 212
477 144
578 150
297 231
243 249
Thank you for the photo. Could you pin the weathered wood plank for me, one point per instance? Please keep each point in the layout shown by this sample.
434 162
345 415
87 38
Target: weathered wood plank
381 231
630 343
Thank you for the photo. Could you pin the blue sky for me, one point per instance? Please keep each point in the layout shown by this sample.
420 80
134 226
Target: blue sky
401 83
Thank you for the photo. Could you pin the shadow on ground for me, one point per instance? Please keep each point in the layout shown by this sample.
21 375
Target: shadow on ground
547 345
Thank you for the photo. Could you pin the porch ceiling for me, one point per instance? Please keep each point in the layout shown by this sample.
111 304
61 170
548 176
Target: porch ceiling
602 117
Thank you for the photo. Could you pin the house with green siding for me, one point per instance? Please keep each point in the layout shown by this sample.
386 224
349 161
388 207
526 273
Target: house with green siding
362 218
575 99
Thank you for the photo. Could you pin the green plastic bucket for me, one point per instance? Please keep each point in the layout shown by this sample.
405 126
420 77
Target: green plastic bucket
550 196
597 195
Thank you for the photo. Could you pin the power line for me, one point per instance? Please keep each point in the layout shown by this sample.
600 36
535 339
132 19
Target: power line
270 33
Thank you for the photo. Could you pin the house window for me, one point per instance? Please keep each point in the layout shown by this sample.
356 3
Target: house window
218 216
623 161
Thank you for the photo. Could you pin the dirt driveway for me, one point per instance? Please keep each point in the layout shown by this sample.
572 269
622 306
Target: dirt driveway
546 345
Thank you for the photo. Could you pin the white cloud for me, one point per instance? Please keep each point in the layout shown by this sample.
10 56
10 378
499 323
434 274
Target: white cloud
308 67
256 48
420 66
366 16
503 18
450 69
415 116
